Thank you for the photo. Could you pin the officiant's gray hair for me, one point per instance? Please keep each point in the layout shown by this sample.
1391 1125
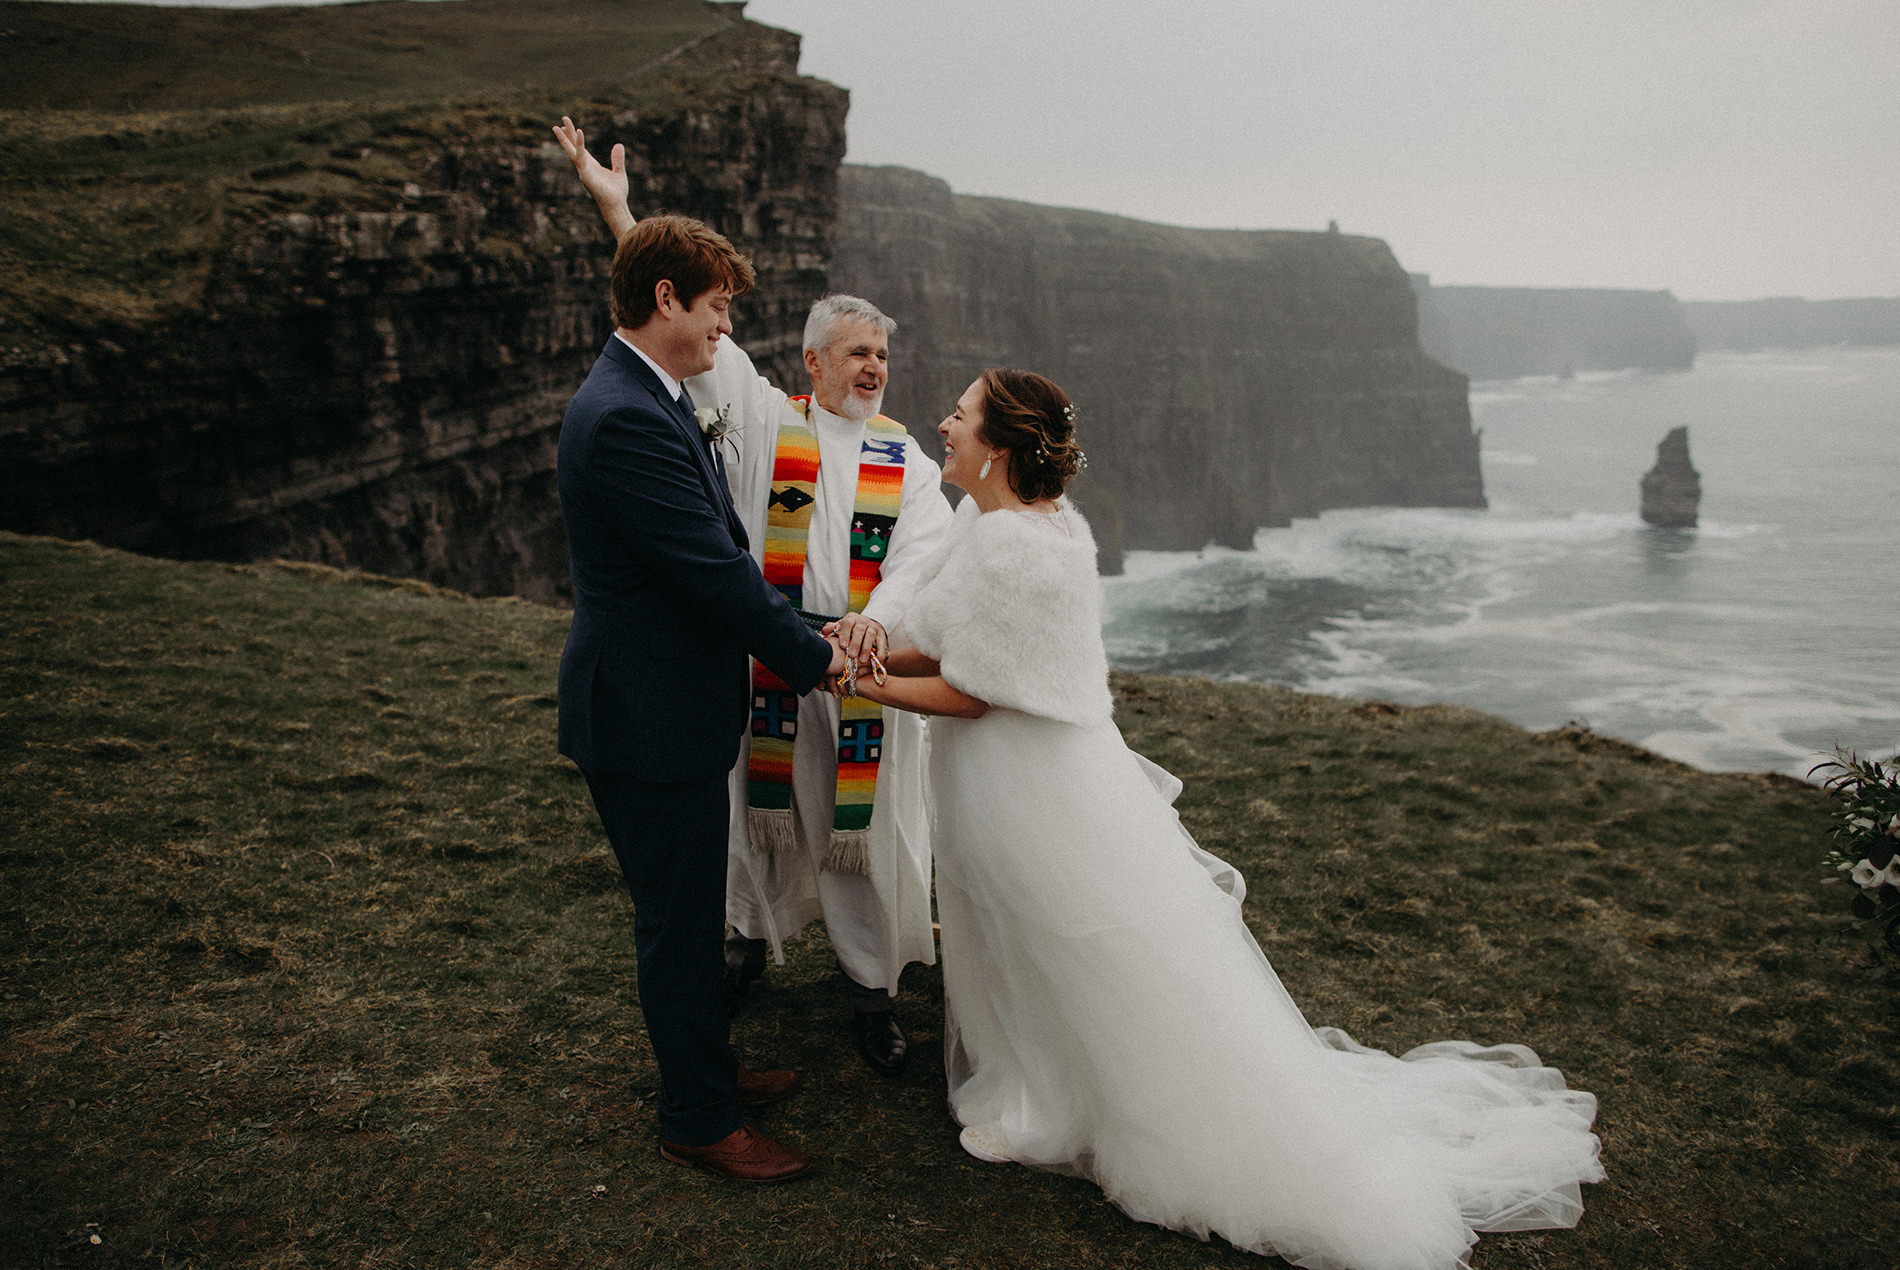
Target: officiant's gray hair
821 328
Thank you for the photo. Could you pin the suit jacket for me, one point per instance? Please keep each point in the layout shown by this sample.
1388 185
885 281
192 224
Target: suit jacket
668 601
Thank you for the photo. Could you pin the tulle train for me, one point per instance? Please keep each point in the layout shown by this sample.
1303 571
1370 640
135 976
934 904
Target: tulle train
1108 1008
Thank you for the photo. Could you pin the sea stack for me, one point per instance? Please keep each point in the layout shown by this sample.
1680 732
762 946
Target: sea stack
1671 489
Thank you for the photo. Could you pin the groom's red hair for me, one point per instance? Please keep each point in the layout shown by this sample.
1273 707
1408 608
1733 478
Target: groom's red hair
690 254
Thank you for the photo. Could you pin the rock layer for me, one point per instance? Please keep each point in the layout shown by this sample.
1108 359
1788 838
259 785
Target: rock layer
1672 490
1225 380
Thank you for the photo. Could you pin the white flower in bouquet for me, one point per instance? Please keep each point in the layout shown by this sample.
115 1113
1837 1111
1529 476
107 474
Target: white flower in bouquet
1866 824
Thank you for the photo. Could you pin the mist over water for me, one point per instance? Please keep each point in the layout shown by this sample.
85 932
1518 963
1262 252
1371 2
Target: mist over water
1768 634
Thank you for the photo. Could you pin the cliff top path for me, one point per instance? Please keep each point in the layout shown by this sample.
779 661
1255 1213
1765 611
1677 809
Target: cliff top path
311 956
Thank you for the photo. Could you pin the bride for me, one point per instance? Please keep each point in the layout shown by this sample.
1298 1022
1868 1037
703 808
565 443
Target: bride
1108 1012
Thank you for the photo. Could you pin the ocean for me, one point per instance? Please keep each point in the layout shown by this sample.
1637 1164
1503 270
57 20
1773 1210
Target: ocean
1756 642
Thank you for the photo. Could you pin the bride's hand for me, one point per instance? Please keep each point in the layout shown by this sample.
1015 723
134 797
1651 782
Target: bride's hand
608 186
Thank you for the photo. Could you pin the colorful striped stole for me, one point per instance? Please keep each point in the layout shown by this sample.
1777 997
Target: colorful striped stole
774 705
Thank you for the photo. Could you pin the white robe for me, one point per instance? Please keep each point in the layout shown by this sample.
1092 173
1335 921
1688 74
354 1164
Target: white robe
881 922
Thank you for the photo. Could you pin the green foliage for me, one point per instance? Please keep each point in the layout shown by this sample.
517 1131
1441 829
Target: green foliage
1867 833
312 954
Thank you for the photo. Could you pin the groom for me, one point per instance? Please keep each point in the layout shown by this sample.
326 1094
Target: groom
654 687
789 866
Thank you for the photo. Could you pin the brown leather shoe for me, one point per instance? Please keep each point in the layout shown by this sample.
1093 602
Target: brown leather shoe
762 1089
744 1155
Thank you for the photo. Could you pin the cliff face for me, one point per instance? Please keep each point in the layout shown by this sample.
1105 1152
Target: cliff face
377 381
1790 322
1224 380
1507 332
322 325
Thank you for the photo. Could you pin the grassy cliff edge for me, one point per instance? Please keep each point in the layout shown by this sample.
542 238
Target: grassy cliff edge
313 955
141 142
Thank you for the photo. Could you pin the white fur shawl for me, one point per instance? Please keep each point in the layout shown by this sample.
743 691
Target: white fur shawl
1013 613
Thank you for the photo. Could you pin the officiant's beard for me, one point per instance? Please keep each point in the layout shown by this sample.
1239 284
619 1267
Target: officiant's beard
858 409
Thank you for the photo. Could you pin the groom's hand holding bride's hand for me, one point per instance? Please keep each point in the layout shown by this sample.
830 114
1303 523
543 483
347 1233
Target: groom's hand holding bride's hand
860 641
840 659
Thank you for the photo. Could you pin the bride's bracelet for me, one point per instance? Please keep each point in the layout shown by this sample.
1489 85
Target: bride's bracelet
848 677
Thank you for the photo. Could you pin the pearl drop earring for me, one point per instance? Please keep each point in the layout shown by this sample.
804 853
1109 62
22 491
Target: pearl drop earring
983 473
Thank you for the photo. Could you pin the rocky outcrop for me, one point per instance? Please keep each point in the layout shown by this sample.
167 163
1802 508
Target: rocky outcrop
1509 332
380 386
1225 380
1790 322
1672 491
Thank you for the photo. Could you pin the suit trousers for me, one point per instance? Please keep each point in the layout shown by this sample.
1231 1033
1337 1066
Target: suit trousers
670 839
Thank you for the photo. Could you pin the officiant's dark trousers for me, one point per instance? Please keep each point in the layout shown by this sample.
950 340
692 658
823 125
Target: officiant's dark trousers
670 839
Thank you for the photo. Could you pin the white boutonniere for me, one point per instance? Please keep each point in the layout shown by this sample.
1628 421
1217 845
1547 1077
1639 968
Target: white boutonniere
714 424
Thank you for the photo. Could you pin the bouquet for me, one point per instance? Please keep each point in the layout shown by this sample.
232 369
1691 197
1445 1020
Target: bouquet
1867 836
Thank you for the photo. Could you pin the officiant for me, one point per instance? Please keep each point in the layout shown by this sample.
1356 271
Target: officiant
829 822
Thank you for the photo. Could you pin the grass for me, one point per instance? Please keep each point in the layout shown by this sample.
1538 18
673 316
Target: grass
132 57
139 142
313 955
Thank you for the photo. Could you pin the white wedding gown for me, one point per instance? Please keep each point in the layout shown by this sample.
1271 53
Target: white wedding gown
1109 1011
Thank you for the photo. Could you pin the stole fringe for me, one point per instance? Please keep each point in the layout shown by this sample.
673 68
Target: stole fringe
771 833
770 830
850 852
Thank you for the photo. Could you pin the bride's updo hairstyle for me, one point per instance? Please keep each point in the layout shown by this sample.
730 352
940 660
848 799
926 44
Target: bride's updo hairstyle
1032 420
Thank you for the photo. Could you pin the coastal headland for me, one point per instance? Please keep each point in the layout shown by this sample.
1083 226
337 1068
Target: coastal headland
1514 332
316 284
1225 380
312 954
1510 332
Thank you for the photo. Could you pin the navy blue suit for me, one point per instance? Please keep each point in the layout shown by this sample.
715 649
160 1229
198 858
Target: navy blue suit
654 696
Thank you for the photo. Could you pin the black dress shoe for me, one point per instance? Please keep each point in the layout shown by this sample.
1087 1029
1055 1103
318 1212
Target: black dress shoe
881 1041
745 962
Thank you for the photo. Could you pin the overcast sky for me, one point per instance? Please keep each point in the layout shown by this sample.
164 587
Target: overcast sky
1722 149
